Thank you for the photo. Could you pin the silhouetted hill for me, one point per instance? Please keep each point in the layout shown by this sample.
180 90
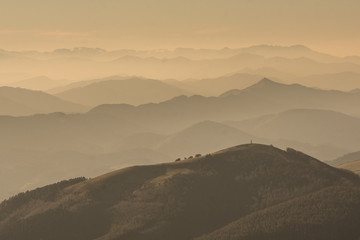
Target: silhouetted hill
19 101
264 86
133 91
270 193
41 83
84 83
219 85
296 94
203 137
28 169
9 107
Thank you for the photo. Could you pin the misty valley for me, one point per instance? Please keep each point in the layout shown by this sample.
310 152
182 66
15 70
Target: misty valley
174 129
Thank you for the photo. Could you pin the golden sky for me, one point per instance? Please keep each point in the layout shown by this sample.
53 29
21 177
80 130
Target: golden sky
326 25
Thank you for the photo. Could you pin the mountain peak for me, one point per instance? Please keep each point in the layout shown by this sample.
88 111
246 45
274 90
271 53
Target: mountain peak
300 47
266 81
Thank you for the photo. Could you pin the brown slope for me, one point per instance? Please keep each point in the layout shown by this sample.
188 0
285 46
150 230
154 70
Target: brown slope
351 166
184 200
322 215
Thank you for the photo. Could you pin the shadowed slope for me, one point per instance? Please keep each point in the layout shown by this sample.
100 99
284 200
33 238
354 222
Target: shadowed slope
196 197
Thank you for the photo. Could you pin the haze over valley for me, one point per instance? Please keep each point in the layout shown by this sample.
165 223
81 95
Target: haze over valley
179 120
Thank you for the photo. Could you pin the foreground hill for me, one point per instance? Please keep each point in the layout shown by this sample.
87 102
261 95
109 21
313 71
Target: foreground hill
19 101
246 192
24 169
132 91
68 146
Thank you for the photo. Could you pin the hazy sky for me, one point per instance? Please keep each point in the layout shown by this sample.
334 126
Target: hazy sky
326 25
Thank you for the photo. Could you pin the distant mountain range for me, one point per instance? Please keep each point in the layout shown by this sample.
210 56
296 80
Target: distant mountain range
295 51
134 91
40 83
264 97
245 192
307 125
18 102
111 136
85 63
203 101
344 81
217 86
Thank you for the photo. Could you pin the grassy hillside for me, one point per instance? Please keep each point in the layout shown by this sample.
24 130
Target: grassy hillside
351 166
245 192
